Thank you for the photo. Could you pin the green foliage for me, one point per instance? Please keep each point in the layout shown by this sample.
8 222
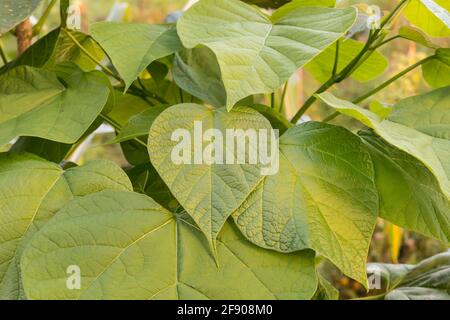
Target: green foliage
427 280
162 229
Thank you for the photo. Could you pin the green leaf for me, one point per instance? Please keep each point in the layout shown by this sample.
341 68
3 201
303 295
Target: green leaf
410 196
209 193
323 198
197 72
146 180
428 280
139 125
129 247
431 16
257 54
418 125
436 72
46 149
325 290
416 35
34 102
31 191
322 65
143 42
13 12
56 47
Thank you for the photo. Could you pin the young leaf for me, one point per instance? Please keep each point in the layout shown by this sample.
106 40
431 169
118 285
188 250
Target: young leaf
31 191
208 192
321 67
416 35
410 195
431 16
257 54
417 125
144 43
436 72
323 198
139 125
12 12
34 102
197 72
135 249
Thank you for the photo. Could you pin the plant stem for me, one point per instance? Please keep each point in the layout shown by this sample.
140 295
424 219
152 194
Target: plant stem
38 27
90 56
336 60
283 97
118 127
382 86
394 78
3 54
63 8
364 54
272 100
384 42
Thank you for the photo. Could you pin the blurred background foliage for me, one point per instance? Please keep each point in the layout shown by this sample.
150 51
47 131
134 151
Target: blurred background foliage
390 244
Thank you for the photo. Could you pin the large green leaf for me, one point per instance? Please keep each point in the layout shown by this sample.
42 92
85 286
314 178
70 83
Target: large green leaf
431 16
410 195
12 12
209 193
436 72
257 54
143 42
31 191
129 247
56 106
322 198
321 67
418 125
416 35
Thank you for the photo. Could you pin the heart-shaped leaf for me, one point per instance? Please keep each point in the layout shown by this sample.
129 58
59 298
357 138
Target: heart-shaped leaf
417 125
34 102
257 54
208 192
31 191
126 246
143 42
323 198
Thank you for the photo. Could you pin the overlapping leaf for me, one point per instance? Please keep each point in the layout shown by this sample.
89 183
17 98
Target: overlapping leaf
31 191
129 247
132 47
431 16
436 72
208 192
34 102
323 197
257 54
417 125
410 195
428 280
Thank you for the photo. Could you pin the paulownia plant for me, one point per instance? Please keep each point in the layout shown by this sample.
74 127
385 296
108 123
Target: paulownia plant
164 230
